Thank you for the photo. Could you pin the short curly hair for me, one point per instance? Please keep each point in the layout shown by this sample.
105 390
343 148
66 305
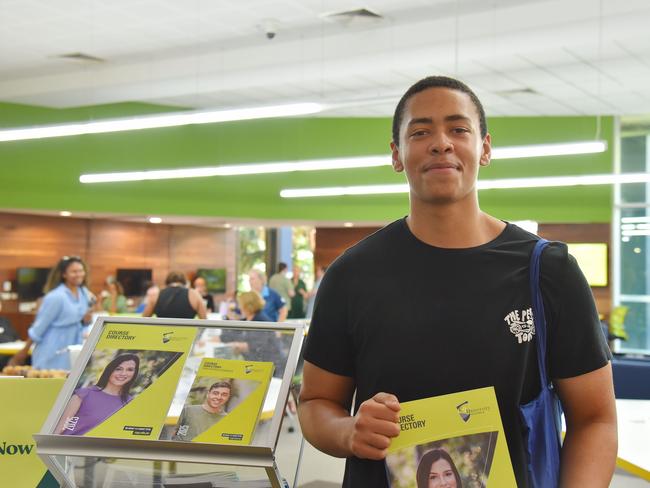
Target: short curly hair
436 82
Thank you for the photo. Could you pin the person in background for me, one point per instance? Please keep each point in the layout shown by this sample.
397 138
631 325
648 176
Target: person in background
320 271
275 306
59 322
150 296
255 345
297 310
201 286
176 300
113 300
281 284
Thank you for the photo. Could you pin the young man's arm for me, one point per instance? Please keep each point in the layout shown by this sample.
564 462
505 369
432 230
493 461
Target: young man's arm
590 445
324 413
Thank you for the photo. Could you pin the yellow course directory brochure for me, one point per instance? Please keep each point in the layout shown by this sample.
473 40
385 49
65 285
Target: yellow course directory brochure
224 402
128 384
451 440
25 404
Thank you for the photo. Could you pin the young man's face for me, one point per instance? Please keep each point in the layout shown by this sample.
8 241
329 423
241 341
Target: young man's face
217 398
441 147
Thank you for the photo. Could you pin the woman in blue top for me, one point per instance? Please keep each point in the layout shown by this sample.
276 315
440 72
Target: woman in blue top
61 316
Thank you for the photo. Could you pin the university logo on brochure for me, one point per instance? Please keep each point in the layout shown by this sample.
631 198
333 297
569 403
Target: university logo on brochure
520 323
465 411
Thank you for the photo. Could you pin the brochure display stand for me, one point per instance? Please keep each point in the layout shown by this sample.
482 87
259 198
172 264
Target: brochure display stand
173 403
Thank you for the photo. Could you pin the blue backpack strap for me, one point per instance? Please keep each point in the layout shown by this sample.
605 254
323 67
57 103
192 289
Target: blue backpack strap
539 318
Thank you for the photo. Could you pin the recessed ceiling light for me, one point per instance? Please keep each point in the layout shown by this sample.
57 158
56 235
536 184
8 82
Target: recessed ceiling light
65 213
155 220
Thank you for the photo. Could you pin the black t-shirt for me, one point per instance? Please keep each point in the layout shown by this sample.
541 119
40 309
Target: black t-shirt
407 318
174 302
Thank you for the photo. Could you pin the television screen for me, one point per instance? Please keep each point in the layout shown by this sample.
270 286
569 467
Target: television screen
592 259
134 281
214 278
30 282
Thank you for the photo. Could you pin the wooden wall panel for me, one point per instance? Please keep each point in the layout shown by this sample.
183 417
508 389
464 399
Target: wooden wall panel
40 241
332 242
198 247
127 245
33 241
576 232
585 233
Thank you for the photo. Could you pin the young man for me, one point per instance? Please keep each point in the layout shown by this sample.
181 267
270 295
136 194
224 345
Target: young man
421 309
196 419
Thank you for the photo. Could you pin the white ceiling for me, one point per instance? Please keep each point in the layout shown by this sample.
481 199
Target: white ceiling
523 57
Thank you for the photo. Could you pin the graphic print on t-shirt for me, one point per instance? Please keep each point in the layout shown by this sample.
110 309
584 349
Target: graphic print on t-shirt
520 323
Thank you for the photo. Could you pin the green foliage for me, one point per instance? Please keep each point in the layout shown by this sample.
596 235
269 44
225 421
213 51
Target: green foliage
303 253
252 253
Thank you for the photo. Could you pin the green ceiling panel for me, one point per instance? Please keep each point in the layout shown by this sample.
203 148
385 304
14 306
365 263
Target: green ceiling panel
43 174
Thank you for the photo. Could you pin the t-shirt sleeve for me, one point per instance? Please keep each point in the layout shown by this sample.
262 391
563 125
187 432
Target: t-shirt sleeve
82 392
576 343
329 342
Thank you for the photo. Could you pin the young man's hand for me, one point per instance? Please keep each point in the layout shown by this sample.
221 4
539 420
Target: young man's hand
375 424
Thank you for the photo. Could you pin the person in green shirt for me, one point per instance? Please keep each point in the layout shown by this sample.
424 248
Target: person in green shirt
300 294
282 285
113 300
196 419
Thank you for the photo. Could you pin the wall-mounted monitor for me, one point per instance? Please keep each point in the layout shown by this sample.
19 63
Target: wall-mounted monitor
134 281
592 259
30 282
215 279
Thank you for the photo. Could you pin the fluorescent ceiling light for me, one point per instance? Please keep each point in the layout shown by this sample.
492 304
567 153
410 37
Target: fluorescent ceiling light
634 220
628 233
240 169
541 150
337 191
508 183
157 121
328 164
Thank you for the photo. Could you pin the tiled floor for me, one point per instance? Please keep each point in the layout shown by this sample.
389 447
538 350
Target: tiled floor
318 470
